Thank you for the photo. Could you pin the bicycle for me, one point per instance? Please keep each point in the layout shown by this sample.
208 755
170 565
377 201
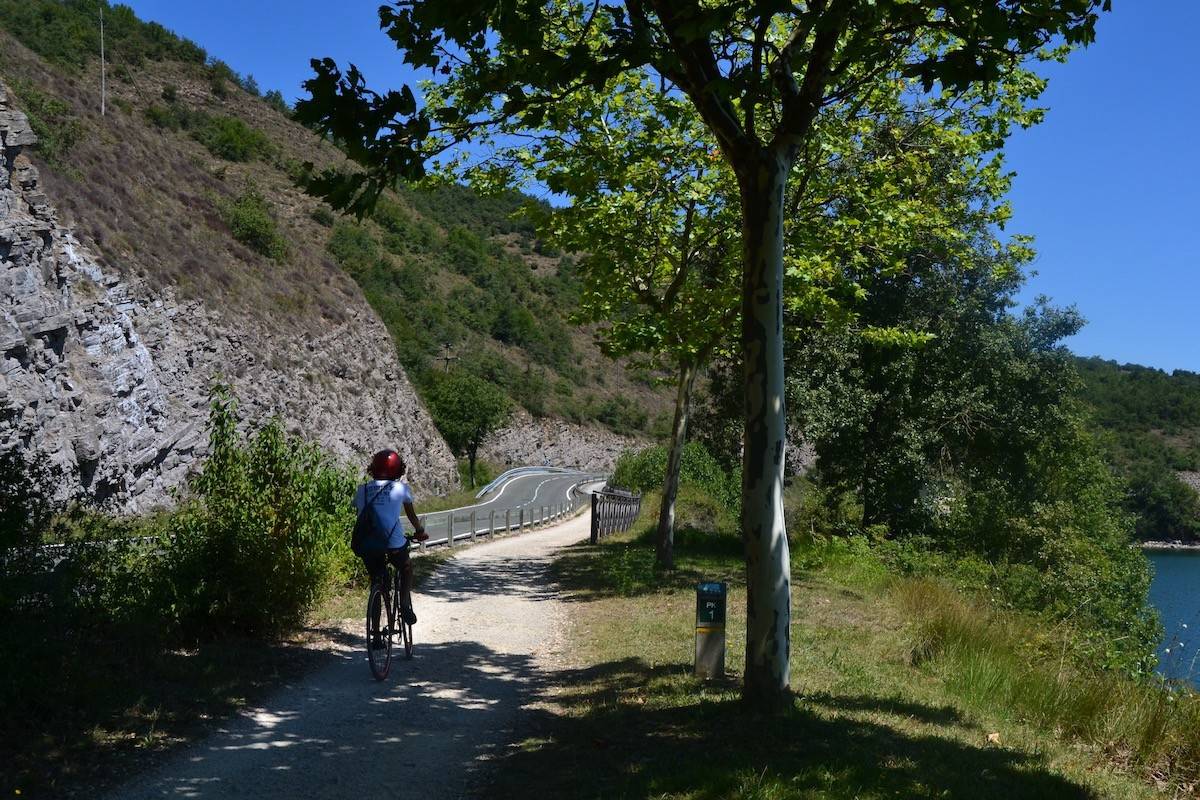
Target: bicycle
383 602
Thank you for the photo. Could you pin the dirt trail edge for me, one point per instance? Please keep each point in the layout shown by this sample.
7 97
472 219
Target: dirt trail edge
488 617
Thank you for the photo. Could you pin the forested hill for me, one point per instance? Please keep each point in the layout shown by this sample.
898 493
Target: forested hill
457 280
1149 421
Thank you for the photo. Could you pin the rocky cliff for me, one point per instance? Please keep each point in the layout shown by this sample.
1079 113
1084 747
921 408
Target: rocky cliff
109 378
531 441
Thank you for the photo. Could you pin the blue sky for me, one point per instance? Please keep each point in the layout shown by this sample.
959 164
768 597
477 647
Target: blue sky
1109 184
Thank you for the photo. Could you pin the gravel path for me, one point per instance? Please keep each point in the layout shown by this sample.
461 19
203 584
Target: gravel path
487 620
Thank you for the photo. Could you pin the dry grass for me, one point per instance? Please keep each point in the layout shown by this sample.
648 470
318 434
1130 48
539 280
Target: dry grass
147 200
1012 667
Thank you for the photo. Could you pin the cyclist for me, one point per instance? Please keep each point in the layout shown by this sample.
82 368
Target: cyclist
391 496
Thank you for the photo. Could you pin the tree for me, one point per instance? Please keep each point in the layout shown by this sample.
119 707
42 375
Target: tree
654 210
760 76
465 409
911 428
275 100
970 449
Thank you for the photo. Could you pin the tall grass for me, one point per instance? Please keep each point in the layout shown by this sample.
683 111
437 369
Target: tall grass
1007 664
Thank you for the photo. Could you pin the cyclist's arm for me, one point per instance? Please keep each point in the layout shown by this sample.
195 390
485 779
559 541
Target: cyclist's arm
416 523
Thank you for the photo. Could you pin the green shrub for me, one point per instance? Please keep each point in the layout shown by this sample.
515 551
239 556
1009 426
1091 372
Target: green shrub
57 129
252 223
163 117
1166 507
622 414
644 470
266 533
26 507
170 92
1068 557
352 246
221 74
274 98
231 139
813 509
250 86
698 509
225 137
322 216
485 472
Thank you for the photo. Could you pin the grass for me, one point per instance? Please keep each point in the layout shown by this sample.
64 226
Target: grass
875 711
1006 664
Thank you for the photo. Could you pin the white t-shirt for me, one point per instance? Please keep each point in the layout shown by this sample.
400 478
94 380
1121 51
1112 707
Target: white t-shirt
389 498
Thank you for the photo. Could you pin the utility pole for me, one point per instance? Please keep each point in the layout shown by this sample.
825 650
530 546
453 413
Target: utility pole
103 77
446 358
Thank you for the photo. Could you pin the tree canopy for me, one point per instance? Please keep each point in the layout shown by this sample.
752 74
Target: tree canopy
465 409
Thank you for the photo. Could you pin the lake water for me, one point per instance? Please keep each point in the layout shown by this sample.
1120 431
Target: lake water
1175 592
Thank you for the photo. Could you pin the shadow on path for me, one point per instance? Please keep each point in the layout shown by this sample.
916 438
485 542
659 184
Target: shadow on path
462 580
339 733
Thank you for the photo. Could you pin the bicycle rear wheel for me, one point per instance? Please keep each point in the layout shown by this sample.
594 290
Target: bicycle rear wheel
407 632
379 638
403 628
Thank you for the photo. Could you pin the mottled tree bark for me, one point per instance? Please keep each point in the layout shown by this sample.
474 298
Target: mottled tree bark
768 568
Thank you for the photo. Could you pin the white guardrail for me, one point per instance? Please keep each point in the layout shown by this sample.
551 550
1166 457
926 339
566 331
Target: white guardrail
453 526
456 525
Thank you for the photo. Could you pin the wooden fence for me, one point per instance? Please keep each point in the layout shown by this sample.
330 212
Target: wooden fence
613 510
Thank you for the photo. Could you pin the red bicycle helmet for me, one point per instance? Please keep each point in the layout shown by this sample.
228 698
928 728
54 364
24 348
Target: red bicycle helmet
386 465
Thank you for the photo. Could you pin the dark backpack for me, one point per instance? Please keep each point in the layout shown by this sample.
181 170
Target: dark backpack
370 537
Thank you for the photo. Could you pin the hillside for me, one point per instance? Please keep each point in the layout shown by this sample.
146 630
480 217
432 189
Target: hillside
184 198
1149 421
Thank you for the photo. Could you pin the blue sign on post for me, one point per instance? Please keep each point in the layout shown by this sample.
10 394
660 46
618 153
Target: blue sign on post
710 630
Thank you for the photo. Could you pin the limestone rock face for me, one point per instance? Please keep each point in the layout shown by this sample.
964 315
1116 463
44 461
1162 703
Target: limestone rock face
110 381
557 443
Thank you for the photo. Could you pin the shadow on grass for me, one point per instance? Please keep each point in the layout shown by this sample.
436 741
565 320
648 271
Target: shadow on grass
933 715
624 567
631 730
84 705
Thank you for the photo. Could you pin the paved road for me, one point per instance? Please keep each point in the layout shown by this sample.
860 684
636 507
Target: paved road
488 621
525 499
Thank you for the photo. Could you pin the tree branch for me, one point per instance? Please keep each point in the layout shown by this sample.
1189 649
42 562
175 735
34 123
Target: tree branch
700 73
800 110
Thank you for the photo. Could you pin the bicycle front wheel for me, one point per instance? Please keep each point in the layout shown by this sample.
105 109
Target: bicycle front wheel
379 637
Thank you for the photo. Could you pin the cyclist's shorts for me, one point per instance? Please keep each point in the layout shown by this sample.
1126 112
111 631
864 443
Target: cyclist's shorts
375 561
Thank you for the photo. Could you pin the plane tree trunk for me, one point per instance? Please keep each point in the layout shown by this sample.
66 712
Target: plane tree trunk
768 567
